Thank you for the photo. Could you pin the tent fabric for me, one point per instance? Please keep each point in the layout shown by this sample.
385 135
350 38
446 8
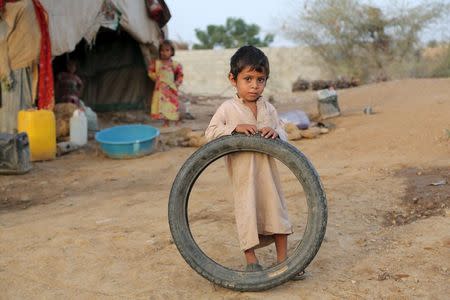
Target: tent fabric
135 21
121 89
107 18
19 37
114 74
80 19
69 21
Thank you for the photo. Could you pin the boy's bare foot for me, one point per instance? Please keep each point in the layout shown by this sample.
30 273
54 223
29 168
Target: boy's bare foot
250 256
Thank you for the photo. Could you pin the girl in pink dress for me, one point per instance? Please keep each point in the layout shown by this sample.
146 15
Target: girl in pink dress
168 76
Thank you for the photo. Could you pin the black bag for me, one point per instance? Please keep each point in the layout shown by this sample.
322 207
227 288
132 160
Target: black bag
14 153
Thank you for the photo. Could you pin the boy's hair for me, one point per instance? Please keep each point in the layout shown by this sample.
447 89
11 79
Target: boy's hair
167 43
249 56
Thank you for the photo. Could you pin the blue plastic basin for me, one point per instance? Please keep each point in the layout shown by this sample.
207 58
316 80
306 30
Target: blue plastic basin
127 141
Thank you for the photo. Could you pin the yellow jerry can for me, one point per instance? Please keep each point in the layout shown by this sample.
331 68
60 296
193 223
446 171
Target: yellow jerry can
40 126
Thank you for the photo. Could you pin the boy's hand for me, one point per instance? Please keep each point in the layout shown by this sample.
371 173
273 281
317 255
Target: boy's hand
268 132
246 128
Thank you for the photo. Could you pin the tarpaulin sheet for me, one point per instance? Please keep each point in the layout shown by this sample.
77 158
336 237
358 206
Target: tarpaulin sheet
70 21
134 19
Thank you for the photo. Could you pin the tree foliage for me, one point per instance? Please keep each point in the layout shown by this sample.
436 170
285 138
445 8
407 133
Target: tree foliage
356 39
235 33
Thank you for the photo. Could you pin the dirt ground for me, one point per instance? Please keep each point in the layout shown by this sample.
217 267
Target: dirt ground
87 227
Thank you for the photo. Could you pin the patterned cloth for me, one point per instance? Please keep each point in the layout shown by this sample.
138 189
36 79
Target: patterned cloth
168 76
45 89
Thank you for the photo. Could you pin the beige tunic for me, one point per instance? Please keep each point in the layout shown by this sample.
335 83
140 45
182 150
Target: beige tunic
259 204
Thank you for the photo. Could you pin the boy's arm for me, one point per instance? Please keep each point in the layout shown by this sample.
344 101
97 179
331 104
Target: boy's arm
219 126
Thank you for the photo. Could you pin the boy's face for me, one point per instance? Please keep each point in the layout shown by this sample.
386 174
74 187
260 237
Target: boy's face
249 84
165 52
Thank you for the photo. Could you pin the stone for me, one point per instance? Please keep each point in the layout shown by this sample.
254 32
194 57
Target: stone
290 128
197 141
25 198
294 136
310 133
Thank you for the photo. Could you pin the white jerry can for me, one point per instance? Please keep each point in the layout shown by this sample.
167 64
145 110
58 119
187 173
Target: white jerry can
78 128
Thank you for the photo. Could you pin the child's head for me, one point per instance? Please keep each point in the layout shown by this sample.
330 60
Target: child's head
249 70
251 57
71 66
166 49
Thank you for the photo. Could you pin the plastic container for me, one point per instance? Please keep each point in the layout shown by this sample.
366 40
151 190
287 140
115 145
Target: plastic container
127 141
14 153
328 105
91 117
78 128
40 126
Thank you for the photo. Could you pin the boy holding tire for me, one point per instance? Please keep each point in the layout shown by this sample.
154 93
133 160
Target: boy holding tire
260 208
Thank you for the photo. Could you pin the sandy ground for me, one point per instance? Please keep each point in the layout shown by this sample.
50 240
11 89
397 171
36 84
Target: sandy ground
87 227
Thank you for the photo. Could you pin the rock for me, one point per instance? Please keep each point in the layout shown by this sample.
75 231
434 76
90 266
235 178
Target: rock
310 133
300 85
290 128
383 276
398 277
294 136
325 124
182 132
184 137
197 141
194 134
293 133
320 84
324 130
25 198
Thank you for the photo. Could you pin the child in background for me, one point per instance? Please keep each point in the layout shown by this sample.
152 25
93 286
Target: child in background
168 76
260 209
69 85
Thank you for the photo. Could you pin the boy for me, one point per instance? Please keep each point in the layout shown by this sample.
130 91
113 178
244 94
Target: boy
260 209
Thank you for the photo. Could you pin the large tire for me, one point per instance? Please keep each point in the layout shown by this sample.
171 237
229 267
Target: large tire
239 280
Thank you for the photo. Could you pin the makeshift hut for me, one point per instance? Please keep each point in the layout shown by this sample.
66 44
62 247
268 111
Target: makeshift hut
111 40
